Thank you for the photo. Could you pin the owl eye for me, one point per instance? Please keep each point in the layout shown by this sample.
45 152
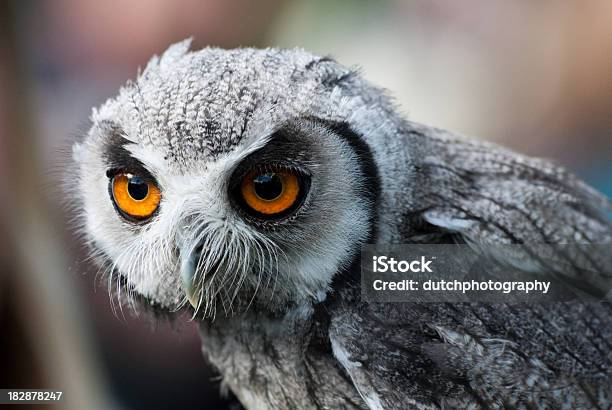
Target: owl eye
273 192
134 196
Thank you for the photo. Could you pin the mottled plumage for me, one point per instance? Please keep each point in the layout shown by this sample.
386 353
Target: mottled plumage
278 301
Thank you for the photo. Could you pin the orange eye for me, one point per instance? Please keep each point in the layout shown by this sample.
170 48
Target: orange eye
270 193
134 196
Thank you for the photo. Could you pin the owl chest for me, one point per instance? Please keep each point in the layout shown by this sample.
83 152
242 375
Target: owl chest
278 370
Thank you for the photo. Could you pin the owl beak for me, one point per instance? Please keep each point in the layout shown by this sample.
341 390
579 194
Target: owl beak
189 276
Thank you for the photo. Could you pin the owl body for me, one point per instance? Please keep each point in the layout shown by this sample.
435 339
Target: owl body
240 185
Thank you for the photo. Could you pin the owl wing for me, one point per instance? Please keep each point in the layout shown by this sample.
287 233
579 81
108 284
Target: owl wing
440 355
485 195
474 355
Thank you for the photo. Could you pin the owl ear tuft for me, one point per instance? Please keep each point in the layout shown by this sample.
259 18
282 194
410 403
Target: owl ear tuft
330 72
176 51
169 57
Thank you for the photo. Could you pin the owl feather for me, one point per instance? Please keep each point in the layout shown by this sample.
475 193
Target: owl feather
276 294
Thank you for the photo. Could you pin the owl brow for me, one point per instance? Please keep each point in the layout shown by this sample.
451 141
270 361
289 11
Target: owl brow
281 150
118 158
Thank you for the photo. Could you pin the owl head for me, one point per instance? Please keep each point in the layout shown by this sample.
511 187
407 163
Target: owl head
221 179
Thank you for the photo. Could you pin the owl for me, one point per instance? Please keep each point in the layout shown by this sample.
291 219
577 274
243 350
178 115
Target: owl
240 185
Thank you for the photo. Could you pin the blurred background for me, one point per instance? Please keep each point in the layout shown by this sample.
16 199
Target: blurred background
535 76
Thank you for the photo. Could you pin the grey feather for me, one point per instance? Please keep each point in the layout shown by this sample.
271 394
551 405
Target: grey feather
280 310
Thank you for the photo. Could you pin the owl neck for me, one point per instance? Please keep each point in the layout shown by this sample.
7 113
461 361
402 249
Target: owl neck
278 362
